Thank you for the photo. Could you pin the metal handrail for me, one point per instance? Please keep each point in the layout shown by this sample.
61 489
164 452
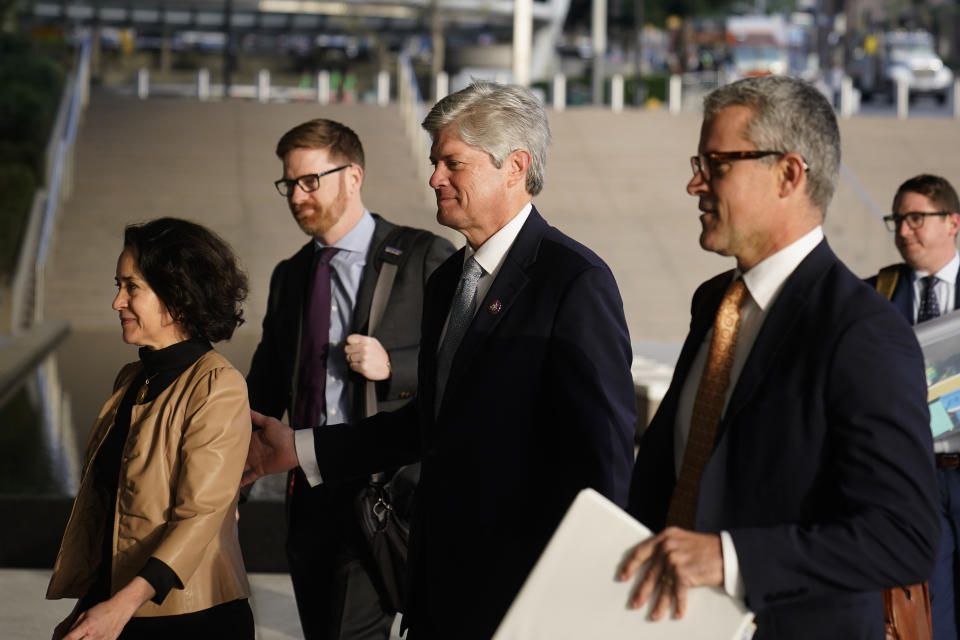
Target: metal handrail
28 281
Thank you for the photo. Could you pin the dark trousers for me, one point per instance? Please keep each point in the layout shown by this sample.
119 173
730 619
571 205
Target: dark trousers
232 620
944 609
336 595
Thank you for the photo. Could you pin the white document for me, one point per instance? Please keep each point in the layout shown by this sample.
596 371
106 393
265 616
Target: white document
573 591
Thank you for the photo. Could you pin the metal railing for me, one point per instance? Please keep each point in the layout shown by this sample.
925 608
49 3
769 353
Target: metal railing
28 355
27 306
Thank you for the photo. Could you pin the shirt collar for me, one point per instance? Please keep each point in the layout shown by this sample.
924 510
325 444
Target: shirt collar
493 252
948 273
357 239
765 279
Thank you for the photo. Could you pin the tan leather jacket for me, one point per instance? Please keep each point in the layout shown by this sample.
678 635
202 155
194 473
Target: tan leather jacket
177 493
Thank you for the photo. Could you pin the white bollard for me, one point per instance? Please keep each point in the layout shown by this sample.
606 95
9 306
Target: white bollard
846 96
203 85
673 95
903 99
441 86
956 99
616 93
383 88
263 85
323 87
143 83
559 92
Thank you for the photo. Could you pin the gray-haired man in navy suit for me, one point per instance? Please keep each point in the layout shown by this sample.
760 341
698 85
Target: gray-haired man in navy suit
525 393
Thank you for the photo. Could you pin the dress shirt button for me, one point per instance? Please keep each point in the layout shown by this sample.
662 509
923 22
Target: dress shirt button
333 412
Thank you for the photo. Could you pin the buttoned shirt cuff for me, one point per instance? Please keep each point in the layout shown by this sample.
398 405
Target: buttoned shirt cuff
307 456
732 580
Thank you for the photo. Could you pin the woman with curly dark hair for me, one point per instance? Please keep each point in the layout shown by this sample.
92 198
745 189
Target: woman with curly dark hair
151 547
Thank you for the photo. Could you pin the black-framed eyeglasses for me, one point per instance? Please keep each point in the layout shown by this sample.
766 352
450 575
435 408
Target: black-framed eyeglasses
706 164
309 182
914 219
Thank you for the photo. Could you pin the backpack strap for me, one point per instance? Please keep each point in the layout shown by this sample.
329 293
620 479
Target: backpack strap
887 280
392 254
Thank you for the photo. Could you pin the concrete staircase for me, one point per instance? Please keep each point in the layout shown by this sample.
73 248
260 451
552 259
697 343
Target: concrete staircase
616 182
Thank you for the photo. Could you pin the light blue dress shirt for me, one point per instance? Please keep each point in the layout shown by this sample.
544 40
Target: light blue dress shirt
346 272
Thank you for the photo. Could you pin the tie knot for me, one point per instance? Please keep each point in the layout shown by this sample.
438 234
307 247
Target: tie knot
325 254
929 281
735 291
472 270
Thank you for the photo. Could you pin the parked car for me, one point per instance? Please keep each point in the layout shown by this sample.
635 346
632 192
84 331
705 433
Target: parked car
902 56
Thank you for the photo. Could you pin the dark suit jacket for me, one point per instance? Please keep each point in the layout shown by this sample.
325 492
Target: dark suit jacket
823 467
272 378
276 360
903 293
539 404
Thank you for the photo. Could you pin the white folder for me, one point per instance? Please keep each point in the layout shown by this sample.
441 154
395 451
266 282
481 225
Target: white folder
573 591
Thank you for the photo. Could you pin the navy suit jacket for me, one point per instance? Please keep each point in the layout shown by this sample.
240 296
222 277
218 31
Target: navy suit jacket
902 297
538 405
823 468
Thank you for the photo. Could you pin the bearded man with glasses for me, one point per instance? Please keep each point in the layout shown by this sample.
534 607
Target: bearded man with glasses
315 362
924 286
789 462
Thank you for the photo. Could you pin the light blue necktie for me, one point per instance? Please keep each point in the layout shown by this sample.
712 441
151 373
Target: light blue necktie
461 315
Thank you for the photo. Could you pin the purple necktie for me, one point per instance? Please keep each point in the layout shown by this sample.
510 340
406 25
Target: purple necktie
314 346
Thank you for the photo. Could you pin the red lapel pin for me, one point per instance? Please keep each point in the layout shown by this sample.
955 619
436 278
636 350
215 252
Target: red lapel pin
494 307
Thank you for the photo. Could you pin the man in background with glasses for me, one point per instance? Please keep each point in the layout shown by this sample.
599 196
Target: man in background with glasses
925 221
789 461
315 359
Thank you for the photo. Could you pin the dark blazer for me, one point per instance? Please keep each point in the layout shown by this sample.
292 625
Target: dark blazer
275 362
902 297
823 468
272 378
539 404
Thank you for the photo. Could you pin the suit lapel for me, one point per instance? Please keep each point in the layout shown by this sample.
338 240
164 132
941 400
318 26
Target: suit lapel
437 301
300 279
956 293
777 326
902 297
498 302
702 318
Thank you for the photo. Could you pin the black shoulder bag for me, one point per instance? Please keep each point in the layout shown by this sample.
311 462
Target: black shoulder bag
384 506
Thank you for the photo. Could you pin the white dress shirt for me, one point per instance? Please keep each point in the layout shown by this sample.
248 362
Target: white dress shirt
945 288
490 256
764 283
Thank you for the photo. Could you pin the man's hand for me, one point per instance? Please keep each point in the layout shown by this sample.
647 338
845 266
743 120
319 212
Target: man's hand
366 356
272 449
679 559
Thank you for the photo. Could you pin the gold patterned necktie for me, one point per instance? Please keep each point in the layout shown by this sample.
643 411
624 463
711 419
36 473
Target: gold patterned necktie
707 407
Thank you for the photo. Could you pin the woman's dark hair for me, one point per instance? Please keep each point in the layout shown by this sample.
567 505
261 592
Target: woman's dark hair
194 273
